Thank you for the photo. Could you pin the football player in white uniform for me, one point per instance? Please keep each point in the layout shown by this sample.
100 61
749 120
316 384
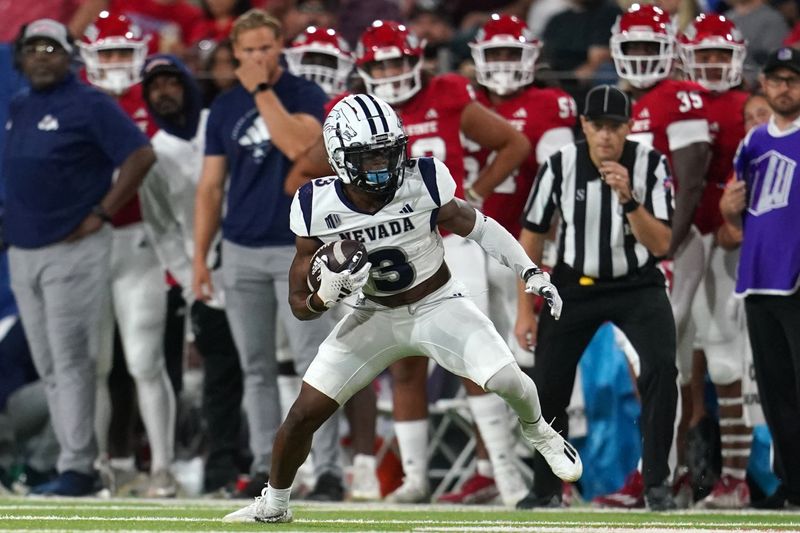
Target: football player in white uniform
410 303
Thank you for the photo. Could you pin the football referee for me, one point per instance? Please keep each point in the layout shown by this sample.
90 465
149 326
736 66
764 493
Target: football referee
615 202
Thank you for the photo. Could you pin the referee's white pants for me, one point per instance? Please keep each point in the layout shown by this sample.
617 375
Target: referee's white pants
139 304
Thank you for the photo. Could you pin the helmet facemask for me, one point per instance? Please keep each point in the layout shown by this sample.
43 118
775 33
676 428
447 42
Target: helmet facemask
376 168
118 76
327 70
643 70
395 89
507 75
714 76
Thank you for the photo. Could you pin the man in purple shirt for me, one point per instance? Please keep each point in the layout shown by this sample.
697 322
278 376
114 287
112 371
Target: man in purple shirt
764 202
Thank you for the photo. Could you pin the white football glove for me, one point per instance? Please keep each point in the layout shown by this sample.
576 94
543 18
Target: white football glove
538 282
334 286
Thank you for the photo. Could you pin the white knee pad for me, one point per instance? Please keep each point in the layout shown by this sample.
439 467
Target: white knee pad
518 390
726 361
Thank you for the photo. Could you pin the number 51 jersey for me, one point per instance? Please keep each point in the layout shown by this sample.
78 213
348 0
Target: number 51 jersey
402 240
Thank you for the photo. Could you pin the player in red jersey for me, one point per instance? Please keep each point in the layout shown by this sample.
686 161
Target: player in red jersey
114 51
322 56
713 52
435 111
669 115
505 54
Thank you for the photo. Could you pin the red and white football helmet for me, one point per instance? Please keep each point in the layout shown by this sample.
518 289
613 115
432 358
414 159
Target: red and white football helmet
384 40
505 31
113 32
713 32
643 24
322 56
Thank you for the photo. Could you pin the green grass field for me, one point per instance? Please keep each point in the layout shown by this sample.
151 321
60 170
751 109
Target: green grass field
31 514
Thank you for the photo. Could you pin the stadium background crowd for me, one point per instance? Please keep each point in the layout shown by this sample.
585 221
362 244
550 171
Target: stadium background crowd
575 56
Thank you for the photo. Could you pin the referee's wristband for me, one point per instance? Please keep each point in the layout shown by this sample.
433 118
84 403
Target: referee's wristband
630 206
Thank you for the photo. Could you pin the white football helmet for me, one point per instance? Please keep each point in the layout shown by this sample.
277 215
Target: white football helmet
366 143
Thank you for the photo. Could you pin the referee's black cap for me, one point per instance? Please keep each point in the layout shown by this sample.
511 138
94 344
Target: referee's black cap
606 102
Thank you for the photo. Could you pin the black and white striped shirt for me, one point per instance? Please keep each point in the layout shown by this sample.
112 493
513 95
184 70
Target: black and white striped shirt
596 238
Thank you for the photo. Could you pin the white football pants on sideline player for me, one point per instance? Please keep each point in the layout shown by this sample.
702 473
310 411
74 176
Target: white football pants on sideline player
139 301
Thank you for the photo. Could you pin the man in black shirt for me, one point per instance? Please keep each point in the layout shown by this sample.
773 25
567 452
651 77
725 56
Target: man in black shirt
614 198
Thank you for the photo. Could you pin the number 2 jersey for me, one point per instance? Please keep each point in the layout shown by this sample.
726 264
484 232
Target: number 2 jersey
402 240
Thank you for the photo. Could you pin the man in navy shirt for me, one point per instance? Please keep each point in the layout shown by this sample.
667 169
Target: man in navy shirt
764 202
254 132
64 140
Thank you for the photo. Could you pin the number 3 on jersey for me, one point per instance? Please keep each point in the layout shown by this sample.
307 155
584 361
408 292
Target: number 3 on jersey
391 271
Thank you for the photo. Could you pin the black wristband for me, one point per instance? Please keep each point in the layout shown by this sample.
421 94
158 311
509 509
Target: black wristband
101 213
260 88
630 206
531 272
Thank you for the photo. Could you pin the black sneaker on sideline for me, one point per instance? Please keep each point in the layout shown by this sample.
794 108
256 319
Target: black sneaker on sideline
533 501
660 498
328 489
776 500
254 487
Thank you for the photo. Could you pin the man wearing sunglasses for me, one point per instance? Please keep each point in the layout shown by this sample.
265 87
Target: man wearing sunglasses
58 164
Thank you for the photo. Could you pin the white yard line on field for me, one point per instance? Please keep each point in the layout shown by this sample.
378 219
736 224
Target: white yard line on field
460 524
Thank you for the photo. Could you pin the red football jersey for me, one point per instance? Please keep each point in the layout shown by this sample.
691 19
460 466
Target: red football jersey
726 124
132 102
432 121
670 116
546 117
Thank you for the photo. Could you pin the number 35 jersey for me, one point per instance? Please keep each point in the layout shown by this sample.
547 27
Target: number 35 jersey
402 240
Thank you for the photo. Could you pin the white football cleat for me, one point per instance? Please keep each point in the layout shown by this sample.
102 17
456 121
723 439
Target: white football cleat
411 491
365 485
562 457
260 511
511 485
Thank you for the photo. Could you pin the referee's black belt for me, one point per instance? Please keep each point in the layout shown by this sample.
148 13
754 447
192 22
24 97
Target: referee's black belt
570 281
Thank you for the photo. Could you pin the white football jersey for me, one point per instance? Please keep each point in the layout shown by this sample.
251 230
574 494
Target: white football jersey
403 242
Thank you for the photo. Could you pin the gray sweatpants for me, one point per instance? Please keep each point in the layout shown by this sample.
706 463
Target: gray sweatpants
256 284
62 291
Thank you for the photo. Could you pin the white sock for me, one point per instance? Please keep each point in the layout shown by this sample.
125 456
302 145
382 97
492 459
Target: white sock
491 415
412 439
278 498
102 416
485 468
367 461
123 463
157 408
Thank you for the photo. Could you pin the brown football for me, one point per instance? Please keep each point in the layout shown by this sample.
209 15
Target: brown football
340 256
